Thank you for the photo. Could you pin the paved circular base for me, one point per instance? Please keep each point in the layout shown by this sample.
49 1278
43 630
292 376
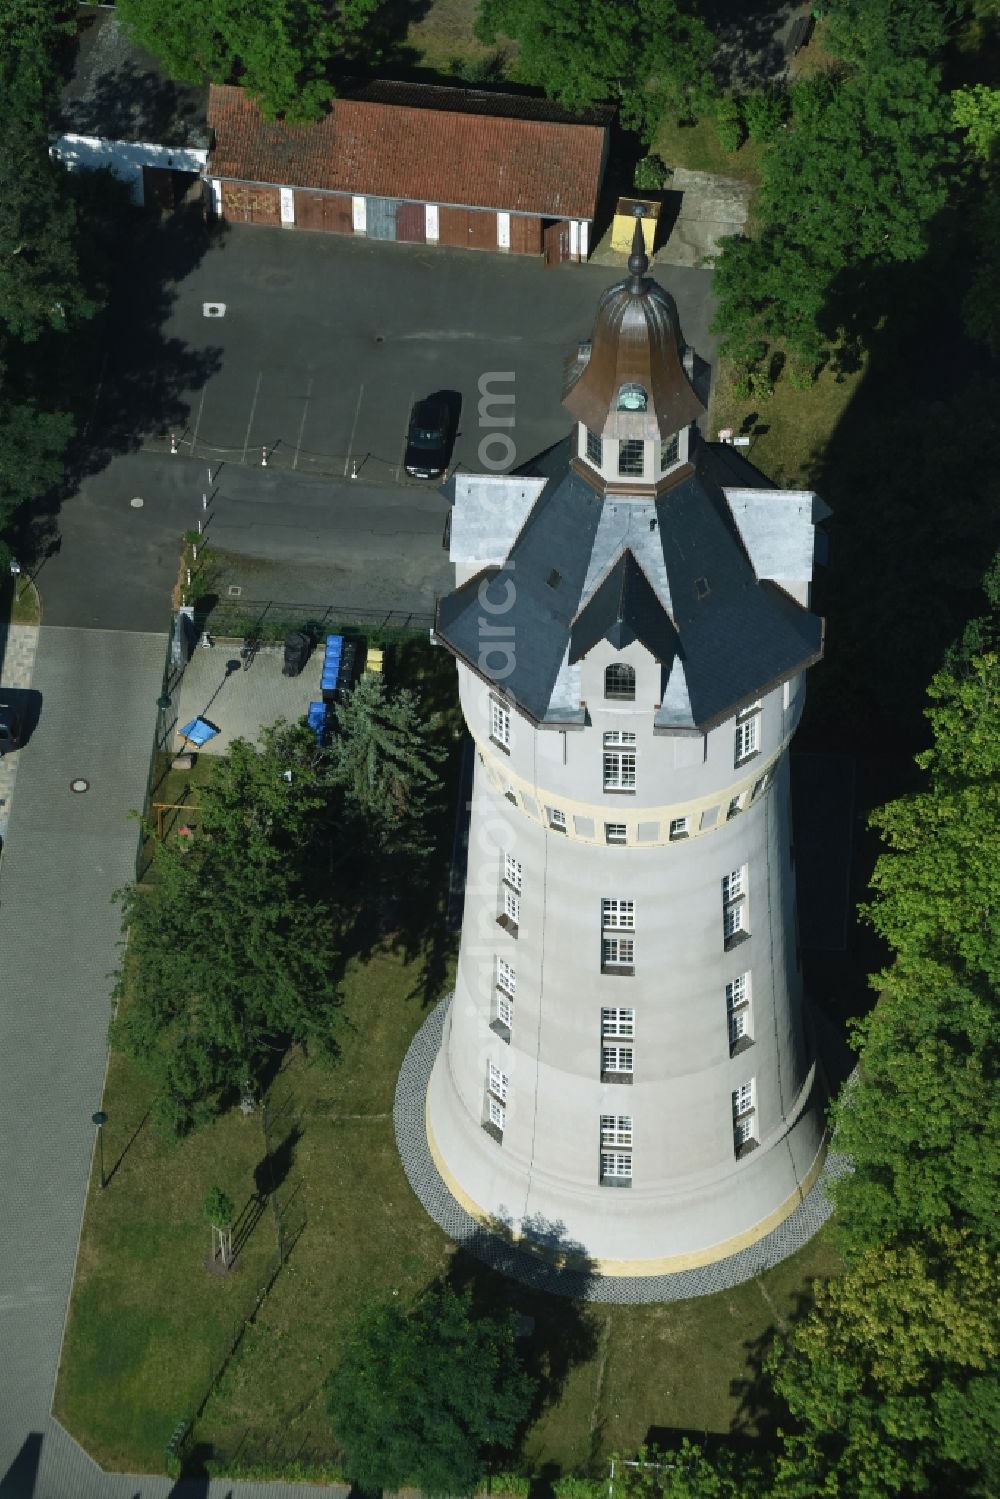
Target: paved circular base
530 1264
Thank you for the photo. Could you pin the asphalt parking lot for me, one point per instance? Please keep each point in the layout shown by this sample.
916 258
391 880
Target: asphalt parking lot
325 343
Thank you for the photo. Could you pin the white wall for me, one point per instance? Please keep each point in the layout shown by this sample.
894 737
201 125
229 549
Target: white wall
126 158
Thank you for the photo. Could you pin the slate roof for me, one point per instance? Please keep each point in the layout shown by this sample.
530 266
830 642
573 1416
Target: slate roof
424 155
721 634
117 92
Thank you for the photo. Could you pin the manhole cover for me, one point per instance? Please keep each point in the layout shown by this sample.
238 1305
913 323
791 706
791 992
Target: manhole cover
235 590
136 502
213 309
79 785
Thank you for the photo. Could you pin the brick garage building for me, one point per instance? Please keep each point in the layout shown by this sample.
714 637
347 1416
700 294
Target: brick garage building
456 168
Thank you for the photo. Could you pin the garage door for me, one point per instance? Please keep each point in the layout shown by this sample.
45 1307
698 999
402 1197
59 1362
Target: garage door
472 228
525 234
245 204
411 223
328 211
381 217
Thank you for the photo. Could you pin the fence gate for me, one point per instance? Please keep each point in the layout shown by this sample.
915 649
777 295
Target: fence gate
557 242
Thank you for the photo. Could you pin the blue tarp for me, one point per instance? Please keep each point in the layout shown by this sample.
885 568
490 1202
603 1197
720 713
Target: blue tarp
198 732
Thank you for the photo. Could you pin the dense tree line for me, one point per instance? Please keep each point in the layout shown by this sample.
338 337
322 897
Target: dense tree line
57 229
858 181
281 51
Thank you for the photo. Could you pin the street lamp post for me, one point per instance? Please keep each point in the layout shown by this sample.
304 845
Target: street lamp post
100 1119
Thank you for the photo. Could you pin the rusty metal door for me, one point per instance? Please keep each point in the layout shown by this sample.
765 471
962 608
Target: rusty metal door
525 234
411 223
556 240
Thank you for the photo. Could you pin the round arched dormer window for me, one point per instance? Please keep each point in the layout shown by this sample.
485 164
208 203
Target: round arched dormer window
619 681
632 398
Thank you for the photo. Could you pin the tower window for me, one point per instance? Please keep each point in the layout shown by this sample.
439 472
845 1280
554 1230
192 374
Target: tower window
595 448
616 1150
616 1064
512 872
500 724
619 681
617 1021
615 832
495 1112
619 761
735 916
631 457
738 1013
669 448
632 398
747 733
744 1118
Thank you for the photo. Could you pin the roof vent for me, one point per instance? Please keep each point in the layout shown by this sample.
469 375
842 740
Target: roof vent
554 579
701 587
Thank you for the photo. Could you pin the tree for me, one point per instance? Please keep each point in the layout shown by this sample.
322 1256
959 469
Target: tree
231 952
219 1210
889 1380
651 56
281 51
854 184
976 110
385 757
872 33
687 1472
425 1394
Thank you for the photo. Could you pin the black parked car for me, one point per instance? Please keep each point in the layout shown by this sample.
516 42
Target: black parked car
428 442
10 729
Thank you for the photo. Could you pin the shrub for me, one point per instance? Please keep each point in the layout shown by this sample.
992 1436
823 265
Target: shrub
764 112
729 123
650 174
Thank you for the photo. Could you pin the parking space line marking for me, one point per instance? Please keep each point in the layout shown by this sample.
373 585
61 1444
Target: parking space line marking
406 433
197 420
253 408
302 423
354 428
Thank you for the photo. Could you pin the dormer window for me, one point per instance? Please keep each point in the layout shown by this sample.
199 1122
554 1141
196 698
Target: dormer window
619 681
631 457
669 448
595 448
631 398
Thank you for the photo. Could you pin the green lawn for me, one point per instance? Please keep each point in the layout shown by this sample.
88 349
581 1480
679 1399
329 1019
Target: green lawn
148 1322
697 148
789 430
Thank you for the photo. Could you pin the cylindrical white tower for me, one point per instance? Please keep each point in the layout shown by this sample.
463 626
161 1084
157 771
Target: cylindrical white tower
626 1066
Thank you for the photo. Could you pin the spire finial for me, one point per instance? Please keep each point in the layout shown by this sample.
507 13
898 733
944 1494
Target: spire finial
638 261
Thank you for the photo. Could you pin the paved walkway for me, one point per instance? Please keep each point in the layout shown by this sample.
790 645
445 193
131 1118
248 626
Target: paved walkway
64 855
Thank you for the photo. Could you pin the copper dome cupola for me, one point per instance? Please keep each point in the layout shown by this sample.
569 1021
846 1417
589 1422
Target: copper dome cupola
630 389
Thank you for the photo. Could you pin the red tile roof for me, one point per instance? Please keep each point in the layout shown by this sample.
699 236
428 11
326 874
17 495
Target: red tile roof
429 155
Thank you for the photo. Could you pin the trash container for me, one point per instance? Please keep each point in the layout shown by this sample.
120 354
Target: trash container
297 648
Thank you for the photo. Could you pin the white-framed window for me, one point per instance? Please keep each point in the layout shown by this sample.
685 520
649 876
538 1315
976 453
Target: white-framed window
618 915
619 761
500 724
738 992
618 954
615 832
497 1082
735 806
669 448
616 1059
512 872
679 828
619 681
512 906
595 448
496 1112
786 695
616 1130
735 917
616 1168
743 1099
743 1130
617 1021
739 1025
506 978
505 1009
759 785
557 819
631 457
747 733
